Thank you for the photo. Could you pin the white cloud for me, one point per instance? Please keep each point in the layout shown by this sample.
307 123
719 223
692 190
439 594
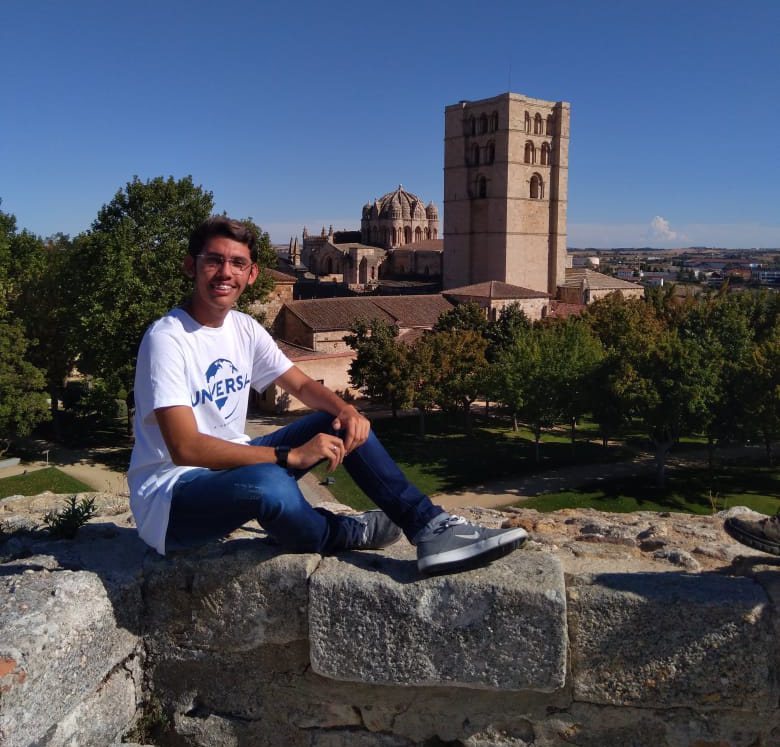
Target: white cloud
659 230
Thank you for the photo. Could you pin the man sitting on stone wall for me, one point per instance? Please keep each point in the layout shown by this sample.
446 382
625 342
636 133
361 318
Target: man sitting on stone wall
194 476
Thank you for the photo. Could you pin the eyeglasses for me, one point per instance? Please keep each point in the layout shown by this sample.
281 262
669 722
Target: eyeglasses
216 261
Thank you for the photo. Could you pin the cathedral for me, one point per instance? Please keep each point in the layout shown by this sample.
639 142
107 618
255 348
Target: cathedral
398 240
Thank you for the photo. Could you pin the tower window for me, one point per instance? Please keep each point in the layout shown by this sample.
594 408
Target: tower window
491 152
545 154
475 155
537 187
538 124
494 121
483 124
473 126
527 122
530 152
549 124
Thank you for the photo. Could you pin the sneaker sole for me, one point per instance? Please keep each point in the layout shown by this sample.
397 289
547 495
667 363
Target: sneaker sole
751 540
473 555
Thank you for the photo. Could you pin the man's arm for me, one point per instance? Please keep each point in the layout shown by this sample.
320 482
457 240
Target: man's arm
317 397
188 446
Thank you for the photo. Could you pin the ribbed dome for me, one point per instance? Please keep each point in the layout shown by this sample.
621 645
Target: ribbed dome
398 204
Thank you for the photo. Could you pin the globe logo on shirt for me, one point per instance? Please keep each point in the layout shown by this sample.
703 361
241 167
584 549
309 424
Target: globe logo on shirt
223 384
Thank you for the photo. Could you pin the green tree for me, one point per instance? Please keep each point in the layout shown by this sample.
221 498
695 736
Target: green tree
22 400
579 353
760 390
465 316
459 357
131 261
47 306
379 368
423 377
525 373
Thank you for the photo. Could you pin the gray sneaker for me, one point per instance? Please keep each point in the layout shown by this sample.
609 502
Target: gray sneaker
761 534
448 543
371 530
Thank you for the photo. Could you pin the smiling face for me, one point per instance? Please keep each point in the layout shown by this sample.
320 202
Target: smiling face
218 288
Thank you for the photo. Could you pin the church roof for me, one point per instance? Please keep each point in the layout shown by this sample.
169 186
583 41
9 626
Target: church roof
577 276
435 245
280 277
495 289
324 314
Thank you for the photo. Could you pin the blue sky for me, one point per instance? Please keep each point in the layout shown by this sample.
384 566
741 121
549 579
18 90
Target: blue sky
298 113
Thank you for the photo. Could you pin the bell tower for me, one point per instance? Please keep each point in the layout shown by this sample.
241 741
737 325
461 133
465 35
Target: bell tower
506 165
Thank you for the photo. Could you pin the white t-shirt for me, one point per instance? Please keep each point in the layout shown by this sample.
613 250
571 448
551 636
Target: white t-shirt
209 369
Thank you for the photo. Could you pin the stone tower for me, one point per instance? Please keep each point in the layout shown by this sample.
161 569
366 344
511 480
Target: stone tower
506 165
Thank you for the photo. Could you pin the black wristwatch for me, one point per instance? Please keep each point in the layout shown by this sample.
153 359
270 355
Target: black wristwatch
281 452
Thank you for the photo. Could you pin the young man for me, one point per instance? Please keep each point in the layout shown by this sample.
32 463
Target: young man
195 476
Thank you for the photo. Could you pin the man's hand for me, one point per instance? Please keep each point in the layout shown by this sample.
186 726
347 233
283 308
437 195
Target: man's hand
355 425
322 446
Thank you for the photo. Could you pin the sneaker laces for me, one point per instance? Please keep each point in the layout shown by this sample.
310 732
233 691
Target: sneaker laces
451 521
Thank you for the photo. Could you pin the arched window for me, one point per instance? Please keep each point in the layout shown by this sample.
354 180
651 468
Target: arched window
549 124
362 273
545 154
483 124
537 187
475 155
407 235
482 186
395 237
530 152
527 122
494 122
427 232
373 272
538 124
473 126
491 152
417 233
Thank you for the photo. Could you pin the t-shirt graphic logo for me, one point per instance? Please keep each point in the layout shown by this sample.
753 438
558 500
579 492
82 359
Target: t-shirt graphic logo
223 384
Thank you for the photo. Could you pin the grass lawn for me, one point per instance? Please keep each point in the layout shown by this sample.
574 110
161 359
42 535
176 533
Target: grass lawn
695 491
38 481
448 458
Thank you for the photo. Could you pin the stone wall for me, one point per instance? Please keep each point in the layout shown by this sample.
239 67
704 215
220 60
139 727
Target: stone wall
645 630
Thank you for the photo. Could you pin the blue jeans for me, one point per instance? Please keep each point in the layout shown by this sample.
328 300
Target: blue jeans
207 504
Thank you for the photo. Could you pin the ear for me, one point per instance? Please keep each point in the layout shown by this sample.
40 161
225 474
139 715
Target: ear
253 273
189 266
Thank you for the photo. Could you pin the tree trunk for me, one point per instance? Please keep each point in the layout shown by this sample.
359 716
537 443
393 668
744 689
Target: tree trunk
711 453
515 427
422 423
661 452
537 438
467 414
573 436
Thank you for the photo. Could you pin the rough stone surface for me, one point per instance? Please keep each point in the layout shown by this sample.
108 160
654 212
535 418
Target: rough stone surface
671 639
60 640
221 636
372 619
229 596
